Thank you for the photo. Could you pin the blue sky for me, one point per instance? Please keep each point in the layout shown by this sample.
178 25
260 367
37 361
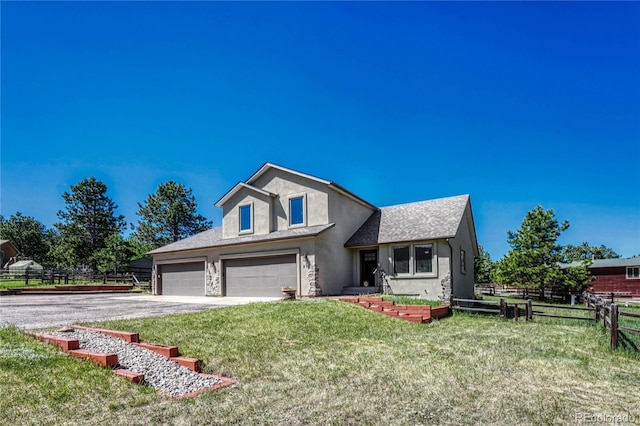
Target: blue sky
514 103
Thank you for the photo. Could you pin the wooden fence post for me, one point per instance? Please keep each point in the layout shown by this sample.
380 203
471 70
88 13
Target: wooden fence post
503 308
515 311
529 310
26 277
614 326
597 310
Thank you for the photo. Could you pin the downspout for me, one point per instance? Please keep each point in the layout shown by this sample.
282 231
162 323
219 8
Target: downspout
450 271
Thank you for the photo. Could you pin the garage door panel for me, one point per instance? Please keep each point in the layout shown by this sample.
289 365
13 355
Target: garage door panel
183 279
261 276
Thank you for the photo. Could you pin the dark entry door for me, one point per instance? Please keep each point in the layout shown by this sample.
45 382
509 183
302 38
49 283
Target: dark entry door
368 265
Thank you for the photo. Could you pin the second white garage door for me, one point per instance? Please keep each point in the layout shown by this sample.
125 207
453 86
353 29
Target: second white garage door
260 276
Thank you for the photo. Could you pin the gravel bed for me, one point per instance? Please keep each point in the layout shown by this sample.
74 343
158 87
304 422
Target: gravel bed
163 374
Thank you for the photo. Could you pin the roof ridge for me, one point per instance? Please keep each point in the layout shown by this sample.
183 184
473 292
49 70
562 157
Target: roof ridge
426 201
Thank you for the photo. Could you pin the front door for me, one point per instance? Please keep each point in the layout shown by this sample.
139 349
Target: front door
368 266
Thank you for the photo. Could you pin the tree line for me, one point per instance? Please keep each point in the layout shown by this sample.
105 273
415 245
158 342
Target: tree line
89 233
537 261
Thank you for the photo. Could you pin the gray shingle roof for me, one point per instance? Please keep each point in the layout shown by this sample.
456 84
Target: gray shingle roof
608 263
213 238
424 220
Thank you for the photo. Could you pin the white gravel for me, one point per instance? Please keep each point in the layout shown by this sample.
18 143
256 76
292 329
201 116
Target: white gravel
159 371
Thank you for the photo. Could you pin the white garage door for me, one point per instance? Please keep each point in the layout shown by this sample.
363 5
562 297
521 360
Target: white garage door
182 279
260 276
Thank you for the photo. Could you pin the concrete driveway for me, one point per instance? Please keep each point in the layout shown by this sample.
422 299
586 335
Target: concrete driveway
31 311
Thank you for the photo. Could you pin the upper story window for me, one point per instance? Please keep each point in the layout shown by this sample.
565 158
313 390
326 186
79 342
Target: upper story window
413 259
633 272
246 219
297 211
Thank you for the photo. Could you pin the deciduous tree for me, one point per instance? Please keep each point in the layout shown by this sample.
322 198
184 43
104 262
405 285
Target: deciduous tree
115 256
168 215
27 234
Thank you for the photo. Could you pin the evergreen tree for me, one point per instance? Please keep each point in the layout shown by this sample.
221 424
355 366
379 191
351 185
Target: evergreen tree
88 219
169 215
533 261
586 252
482 266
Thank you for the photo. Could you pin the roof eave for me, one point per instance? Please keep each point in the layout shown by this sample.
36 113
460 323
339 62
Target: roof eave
248 242
262 170
395 242
233 191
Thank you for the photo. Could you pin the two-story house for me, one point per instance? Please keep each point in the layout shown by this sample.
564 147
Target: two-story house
282 228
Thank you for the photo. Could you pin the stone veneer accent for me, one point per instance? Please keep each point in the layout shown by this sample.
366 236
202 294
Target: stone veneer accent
154 275
213 281
382 281
446 289
313 278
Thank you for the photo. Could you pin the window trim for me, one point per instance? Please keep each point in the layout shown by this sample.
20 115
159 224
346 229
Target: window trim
415 260
633 276
412 260
393 265
250 229
304 210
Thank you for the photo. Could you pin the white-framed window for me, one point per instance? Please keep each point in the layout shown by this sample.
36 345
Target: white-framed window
245 218
297 210
415 259
463 261
633 272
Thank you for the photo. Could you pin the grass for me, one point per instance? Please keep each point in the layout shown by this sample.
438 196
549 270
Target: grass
38 283
406 300
7 283
328 362
556 309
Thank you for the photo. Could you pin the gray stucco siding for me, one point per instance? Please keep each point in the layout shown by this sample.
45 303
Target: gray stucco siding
335 261
463 282
261 206
423 285
316 197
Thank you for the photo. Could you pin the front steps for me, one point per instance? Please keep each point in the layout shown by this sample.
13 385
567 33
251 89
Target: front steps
356 291
420 314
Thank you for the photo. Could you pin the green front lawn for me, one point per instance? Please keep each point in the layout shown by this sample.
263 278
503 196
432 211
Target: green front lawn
329 362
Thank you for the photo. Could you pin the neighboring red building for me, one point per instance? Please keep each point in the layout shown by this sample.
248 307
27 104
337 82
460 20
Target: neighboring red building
616 276
7 252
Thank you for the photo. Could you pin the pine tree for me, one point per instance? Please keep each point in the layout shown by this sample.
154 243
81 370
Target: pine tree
88 219
168 215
